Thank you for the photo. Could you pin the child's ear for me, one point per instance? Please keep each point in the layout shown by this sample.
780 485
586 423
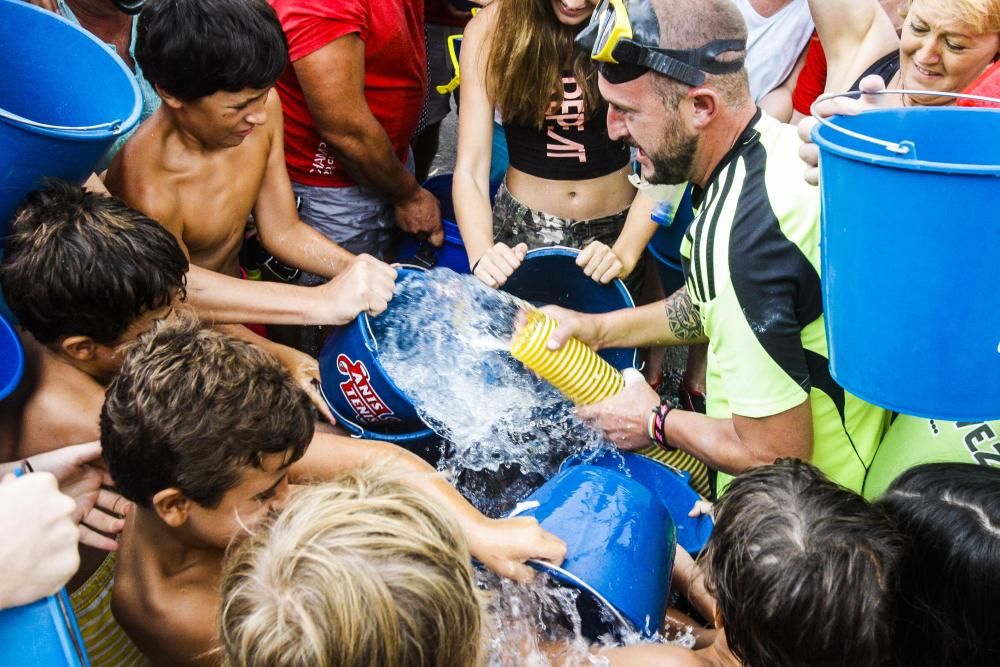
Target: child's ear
172 506
79 348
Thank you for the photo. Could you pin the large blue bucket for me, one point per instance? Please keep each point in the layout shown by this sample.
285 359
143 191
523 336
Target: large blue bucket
620 544
360 393
551 276
671 486
451 254
11 359
64 99
911 235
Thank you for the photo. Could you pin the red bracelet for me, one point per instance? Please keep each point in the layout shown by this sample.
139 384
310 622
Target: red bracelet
656 429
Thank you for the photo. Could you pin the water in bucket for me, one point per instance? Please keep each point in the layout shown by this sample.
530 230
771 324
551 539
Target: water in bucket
445 344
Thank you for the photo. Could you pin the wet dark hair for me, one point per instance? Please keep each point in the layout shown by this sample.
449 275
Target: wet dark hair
192 408
801 568
195 48
949 575
83 264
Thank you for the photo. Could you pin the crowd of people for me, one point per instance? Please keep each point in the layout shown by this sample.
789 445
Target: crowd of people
216 513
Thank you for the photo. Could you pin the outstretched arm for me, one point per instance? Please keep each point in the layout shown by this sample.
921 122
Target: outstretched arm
673 321
854 34
281 230
501 544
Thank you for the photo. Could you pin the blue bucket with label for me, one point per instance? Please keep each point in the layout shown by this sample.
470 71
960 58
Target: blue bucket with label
551 276
620 544
64 99
910 239
360 393
42 634
11 359
671 486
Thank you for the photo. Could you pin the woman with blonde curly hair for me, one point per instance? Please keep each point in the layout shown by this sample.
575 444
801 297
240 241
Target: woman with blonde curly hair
943 46
361 571
567 183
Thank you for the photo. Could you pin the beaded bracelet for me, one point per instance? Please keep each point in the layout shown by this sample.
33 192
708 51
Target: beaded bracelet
656 427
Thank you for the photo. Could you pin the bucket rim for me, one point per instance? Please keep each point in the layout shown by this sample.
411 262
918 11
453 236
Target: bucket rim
693 546
364 326
100 132
359 431
894 161
663 259
564 576
9 383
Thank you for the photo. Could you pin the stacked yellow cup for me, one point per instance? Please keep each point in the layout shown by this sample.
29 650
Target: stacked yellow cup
574 369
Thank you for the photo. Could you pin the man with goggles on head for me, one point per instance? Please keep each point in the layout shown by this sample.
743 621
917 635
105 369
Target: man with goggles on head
672 73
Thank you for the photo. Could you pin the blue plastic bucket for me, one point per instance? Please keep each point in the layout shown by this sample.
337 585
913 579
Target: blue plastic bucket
551 276
620 544
910 244
671 486
451 254
360 393
11 359
42 634
64 99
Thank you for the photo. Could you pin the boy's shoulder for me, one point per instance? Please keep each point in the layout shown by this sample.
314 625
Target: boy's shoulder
62 406
169 615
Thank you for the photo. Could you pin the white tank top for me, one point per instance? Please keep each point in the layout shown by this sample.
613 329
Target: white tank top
774 43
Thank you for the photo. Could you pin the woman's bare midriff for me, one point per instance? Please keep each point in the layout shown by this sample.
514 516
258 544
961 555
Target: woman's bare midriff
573 200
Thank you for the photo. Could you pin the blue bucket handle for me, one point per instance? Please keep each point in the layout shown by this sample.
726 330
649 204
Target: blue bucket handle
903 148
112 125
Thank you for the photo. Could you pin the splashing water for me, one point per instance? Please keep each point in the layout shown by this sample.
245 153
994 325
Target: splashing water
444 341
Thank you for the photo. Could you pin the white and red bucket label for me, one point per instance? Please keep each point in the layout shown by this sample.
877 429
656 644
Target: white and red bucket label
358 391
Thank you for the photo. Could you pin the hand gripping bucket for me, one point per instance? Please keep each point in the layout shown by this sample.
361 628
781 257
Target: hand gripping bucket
671 486
64 99
551 276
620 544
910 240
451 254
360 393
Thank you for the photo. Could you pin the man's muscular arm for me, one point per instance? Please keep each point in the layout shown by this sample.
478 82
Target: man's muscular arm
332 80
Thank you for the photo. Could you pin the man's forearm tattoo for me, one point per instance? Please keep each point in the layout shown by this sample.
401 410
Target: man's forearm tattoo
683 318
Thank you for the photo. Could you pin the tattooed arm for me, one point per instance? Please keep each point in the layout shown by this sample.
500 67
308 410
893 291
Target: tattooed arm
674 321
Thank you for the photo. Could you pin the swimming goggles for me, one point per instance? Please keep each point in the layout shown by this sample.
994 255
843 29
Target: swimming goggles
624 47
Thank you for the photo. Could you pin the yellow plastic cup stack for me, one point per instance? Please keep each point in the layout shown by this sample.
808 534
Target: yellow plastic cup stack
575 370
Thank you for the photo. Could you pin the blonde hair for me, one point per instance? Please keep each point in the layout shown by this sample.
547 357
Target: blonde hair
529 51
982 16
361 571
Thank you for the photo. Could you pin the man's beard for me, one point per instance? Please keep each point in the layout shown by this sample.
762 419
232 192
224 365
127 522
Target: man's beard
674 166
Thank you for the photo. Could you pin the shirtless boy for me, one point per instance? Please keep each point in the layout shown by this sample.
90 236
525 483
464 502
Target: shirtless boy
84 274
213 153
200 477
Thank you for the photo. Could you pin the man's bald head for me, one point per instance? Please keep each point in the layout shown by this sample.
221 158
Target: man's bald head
690 24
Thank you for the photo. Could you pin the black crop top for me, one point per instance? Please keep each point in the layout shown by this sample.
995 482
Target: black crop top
886 67
570 146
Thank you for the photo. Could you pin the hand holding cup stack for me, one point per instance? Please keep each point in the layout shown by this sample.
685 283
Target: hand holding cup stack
574 369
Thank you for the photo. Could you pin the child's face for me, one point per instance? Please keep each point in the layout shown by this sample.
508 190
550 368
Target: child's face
259 492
